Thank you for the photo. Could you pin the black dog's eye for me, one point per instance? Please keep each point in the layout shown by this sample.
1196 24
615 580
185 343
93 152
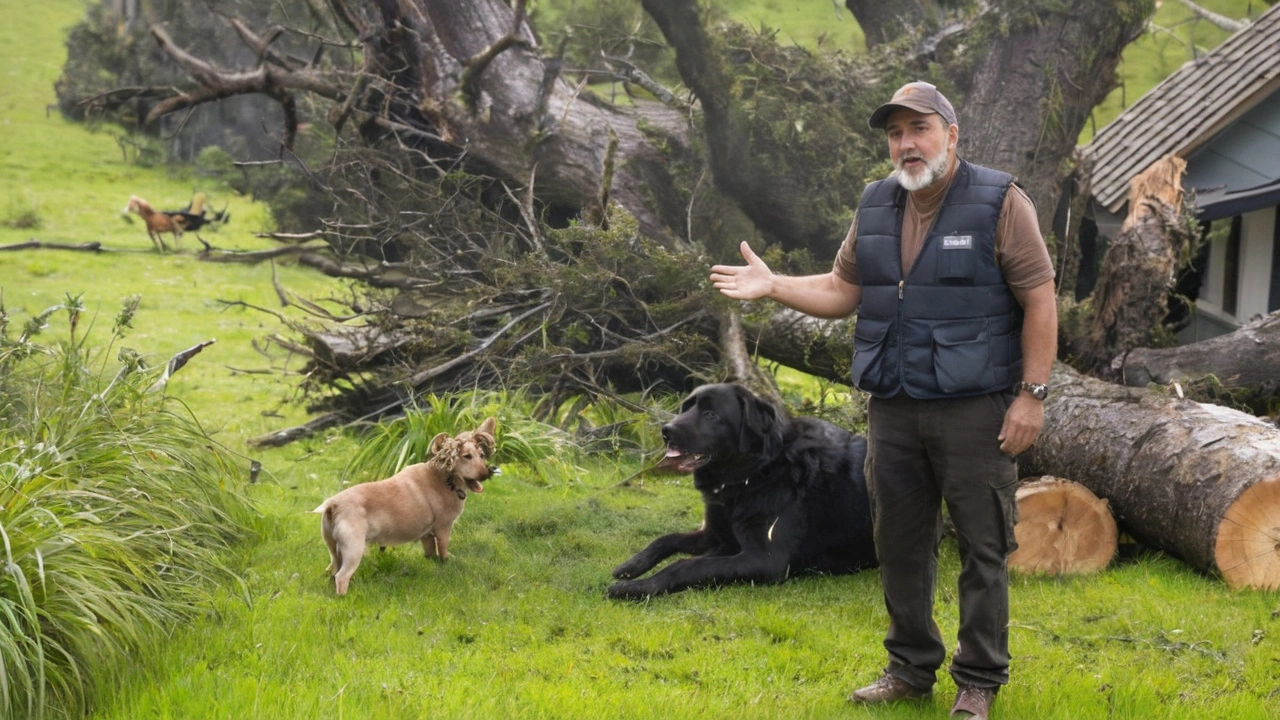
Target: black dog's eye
708 415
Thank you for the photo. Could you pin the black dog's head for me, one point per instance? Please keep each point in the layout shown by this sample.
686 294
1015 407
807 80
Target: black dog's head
722 426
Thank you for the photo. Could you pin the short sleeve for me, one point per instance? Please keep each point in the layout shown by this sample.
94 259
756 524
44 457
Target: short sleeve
845 266
1020 249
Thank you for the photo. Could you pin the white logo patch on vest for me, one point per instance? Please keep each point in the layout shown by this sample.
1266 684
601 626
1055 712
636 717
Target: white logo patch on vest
957 242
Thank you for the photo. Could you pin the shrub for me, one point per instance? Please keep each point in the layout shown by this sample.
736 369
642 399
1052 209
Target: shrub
116 510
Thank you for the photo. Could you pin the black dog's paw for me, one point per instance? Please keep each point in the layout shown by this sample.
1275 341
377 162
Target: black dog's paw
638 565
632 568
631 590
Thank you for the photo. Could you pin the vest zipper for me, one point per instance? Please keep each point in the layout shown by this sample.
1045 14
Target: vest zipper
900 284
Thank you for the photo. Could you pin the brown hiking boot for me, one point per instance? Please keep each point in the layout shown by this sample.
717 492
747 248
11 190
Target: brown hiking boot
973 703
886 690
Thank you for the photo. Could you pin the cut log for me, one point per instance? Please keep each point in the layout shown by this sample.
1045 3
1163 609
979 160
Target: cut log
1245 362
1063 529
1198 481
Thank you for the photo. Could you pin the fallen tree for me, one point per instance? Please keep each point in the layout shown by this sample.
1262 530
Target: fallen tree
476 161
1199 481
1244 363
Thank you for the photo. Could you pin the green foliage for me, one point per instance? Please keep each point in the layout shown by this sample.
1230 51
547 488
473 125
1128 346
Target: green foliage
215 163
117 513
590 30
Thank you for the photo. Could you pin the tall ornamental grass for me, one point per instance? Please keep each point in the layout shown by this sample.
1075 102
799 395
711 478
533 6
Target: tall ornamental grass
392 445
116 512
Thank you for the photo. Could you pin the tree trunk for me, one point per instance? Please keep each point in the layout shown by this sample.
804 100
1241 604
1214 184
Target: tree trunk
1038 74
883 22
1063 529
1199 481
1245 362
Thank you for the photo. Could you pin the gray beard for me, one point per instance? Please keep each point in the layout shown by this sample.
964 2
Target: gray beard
933 172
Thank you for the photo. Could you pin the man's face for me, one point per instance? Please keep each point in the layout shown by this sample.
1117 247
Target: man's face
920 146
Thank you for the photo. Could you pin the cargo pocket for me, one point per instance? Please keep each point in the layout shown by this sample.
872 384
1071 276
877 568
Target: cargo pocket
873 368
962 357
1007 497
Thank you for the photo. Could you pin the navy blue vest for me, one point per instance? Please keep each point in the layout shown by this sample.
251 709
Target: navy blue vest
951 327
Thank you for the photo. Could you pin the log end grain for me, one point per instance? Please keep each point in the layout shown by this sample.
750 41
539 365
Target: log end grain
1063 529
1247 549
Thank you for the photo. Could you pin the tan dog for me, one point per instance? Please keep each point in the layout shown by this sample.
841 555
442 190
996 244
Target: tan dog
419 503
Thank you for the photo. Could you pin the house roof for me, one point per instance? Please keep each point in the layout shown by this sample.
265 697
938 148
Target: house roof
1188 109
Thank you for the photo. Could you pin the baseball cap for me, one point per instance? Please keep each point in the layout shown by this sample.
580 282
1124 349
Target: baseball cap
919 96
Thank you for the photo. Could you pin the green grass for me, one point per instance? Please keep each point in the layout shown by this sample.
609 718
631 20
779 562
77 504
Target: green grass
516 623
813 24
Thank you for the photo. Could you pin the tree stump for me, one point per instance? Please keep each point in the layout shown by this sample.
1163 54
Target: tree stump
1199 481
1063 529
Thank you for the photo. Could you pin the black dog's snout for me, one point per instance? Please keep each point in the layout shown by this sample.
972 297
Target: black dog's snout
666 433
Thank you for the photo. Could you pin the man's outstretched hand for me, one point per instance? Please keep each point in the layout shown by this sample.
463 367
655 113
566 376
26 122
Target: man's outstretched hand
743 282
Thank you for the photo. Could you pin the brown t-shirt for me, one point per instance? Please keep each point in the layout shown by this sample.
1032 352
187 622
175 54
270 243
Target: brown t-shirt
1021 253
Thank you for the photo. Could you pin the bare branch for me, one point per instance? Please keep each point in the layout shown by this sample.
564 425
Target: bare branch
216 83
33 244
1221 21
633 74
477 64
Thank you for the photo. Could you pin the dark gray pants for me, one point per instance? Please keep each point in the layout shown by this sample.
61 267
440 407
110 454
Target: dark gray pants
921 453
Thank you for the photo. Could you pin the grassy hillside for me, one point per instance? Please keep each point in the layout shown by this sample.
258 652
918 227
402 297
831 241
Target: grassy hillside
516 625
1176 36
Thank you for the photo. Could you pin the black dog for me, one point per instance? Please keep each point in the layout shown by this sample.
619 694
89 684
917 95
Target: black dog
780 495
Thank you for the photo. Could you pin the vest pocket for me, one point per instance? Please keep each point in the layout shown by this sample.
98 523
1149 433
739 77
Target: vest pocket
962 357
958 259
874 368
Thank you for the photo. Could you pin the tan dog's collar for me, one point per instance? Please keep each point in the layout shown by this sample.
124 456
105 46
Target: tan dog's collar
462 495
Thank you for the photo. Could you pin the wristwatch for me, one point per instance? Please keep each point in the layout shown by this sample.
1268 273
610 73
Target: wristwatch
1038 391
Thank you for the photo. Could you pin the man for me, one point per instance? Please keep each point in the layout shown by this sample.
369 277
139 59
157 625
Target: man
956 336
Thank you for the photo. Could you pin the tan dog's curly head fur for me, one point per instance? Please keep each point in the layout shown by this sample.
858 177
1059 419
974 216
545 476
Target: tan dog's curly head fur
447 451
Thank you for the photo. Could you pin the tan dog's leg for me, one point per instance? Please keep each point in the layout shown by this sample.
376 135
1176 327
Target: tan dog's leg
348 540
442 542
429 548
350 555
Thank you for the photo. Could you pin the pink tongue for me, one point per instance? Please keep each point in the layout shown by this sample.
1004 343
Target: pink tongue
672 452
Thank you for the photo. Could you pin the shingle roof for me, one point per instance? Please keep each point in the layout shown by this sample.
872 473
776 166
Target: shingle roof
1188 108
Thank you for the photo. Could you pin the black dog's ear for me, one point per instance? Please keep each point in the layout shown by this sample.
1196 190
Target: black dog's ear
761 429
